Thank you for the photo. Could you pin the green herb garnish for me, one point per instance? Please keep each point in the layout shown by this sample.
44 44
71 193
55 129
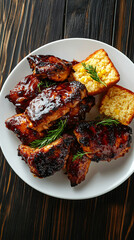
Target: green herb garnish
79 155
93 73
108 121
45 84
51 136
41 83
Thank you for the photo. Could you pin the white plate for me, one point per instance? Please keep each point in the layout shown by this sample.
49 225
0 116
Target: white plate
102 177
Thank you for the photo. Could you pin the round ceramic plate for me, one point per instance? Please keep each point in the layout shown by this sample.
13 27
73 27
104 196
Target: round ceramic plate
102 177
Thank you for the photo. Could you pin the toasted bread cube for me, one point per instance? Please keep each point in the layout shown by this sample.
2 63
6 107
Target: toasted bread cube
118 103
104 68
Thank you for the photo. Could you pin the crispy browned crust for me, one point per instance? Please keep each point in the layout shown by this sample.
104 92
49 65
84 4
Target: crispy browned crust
26 132
91 55
129 119
51 67
23 128
49 159
79 112
24 92
102 87
24 151
54 102
103 142
102 90
77 170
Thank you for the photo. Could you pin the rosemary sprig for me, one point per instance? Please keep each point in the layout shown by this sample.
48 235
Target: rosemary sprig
39 85
51 137
108 122
45 84
79 155
93 74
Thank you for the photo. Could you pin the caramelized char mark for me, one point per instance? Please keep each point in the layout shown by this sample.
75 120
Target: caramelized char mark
47 160
26 132
79 112
77 169
24 92
23 128
49 66
104 142
54 102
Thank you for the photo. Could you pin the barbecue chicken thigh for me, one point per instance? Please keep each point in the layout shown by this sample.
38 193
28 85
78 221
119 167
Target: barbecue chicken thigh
50 67
103 143
66 101
24 92
49 159
78 113
23 128
27 133
53 103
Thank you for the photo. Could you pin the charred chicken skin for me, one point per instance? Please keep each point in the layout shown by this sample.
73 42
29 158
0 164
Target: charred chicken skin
50 67
79 112
103 142
77 168
27 133
53 103
24 92
23 128
47 160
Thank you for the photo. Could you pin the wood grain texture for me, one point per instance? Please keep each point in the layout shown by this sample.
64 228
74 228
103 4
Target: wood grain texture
90 19
24 212
125 27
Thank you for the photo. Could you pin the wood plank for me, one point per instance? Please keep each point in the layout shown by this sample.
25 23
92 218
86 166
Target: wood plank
25 26
22 32
124 27
128 224
130 39
24 212
90 19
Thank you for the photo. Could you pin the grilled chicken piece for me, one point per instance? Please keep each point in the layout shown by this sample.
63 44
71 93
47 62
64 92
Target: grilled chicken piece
79 112
26 132
77 168
23 128
24 92
50 67
25 152
53 103
103 142
49 159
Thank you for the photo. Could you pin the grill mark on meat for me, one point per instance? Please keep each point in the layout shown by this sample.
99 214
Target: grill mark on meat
49 66
26 132
77 170
49 159
54 102
24 92
104 142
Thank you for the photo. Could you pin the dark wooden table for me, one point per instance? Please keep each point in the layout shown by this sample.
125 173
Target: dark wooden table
24 212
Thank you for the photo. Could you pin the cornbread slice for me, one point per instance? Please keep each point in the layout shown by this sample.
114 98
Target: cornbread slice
118 103
104 68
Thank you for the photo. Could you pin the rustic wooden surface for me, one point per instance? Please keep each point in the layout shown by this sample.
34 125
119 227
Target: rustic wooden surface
24 212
